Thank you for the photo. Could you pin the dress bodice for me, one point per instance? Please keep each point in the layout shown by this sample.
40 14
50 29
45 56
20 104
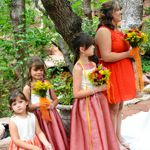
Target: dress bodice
118 43
25 126
36 98
86 83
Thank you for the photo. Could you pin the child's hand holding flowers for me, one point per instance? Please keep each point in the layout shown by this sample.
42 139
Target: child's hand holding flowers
40 88
100 79
99 76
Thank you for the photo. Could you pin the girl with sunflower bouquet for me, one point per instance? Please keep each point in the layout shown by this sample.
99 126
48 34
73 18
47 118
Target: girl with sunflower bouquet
43 101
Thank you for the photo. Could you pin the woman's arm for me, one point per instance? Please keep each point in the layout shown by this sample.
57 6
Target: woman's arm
77 79
41 136
16 139
103 40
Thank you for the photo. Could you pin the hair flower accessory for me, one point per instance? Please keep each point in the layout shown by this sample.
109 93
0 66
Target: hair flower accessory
40 87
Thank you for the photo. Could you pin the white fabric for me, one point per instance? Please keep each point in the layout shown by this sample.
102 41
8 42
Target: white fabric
25 126
85 80
36 98
135 130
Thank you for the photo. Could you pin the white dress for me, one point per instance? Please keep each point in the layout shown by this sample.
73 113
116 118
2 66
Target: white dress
25 126
136 131
26 131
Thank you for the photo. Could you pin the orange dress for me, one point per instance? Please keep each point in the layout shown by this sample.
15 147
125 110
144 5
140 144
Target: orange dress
122 79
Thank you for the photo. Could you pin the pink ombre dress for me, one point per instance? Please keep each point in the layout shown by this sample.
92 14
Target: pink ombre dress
54 129
91 124
26 131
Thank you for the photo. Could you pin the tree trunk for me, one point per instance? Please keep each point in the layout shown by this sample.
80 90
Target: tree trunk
67 23
132 13
87 9
17 14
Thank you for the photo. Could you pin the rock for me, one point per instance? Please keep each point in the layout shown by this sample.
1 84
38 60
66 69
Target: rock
2 130
147 89
4 142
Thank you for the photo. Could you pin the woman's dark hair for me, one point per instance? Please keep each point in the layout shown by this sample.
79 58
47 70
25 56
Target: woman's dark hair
36 62
14 94
81 40
106 12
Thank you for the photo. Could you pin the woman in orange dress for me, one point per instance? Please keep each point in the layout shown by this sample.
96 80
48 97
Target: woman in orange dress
114 53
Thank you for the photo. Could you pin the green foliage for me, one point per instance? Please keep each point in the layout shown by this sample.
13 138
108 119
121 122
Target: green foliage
37 37
5 22
146 64
76 6
97 3
89 26
146 29
147 11
63 84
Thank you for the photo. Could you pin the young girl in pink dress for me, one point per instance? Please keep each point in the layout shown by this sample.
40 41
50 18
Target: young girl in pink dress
53 129
24 128
91 125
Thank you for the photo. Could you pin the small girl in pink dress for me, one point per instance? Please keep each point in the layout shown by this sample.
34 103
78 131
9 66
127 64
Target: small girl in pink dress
53 129
91 125
23 126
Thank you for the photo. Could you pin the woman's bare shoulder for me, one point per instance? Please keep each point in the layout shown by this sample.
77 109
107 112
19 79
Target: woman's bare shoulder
103 30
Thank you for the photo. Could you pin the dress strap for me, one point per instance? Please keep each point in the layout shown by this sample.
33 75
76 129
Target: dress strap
79 61
87 109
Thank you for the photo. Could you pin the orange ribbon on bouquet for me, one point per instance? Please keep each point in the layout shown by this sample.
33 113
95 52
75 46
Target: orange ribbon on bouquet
139 74
44 103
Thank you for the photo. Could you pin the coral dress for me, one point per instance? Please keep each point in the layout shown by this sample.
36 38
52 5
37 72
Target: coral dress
26 131
122 79
91 125
54 129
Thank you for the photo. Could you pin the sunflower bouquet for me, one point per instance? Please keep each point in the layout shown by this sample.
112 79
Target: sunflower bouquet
135 37
40 87
99 76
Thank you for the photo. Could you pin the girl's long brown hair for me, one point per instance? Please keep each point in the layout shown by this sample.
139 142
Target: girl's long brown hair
36 62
